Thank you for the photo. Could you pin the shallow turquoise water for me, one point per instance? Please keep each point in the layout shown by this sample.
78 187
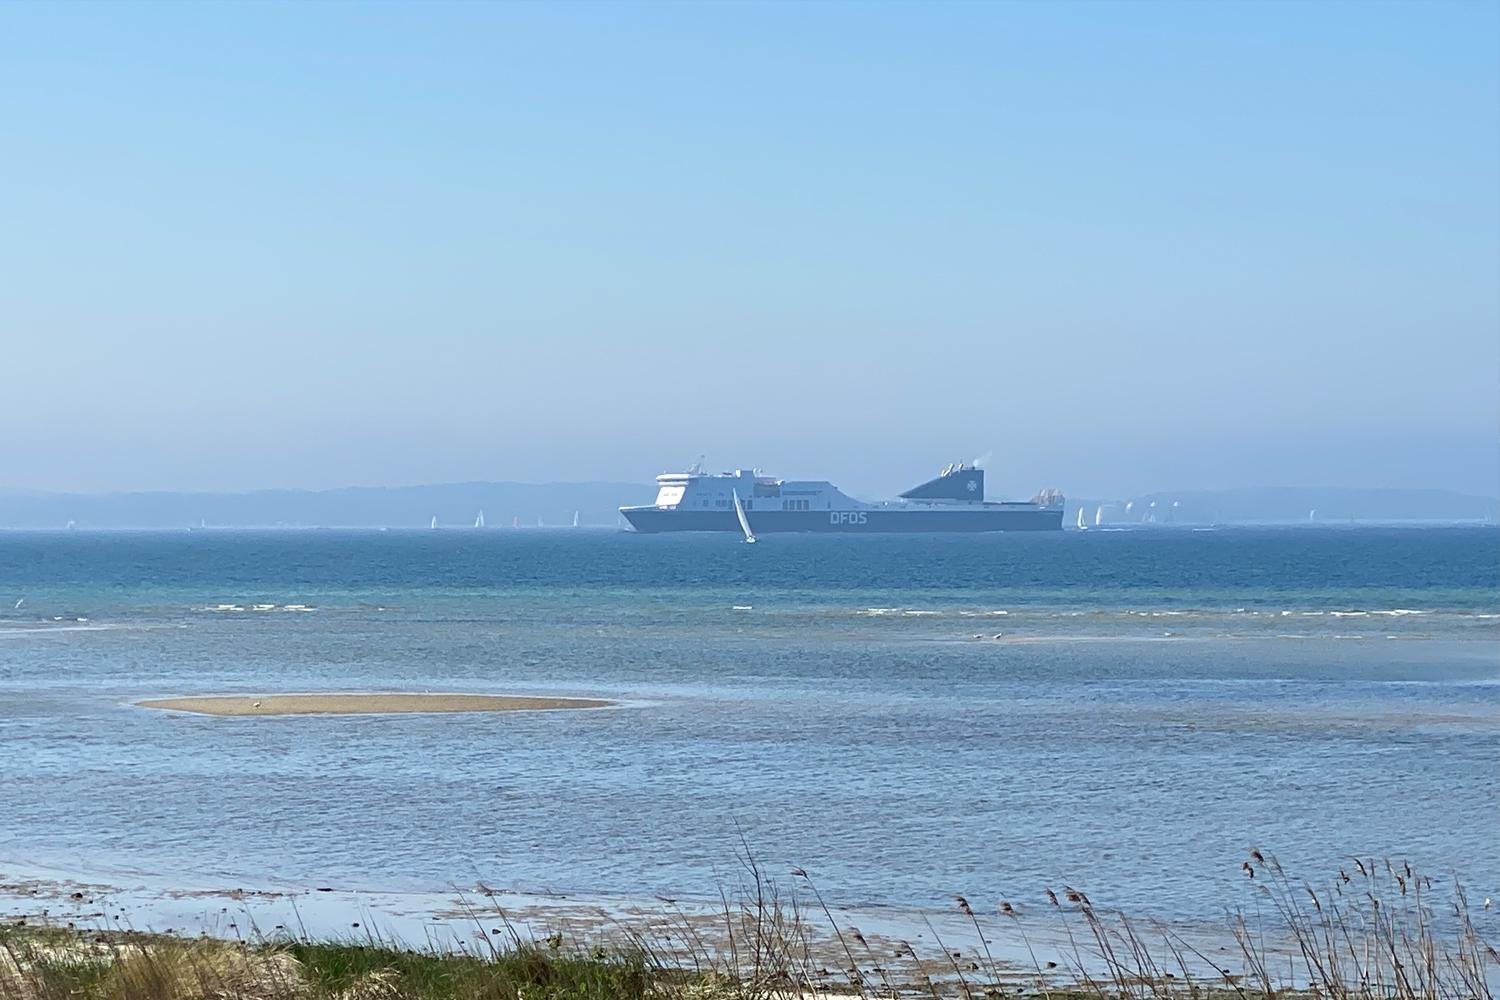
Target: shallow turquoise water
1157 703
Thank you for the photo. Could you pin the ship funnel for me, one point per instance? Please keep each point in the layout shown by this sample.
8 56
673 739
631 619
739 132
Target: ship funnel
957 482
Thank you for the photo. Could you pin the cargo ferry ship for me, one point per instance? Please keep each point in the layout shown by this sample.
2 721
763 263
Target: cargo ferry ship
747 501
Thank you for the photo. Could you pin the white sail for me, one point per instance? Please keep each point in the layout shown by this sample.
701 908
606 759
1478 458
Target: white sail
1098 516
575 519
1081 525
479 521
433 526
739 511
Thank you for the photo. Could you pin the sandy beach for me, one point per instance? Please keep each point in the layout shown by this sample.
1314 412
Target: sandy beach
362 704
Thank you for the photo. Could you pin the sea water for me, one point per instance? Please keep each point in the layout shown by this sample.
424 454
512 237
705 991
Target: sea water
906 718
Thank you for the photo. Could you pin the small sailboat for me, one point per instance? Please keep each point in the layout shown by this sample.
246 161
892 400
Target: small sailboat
479 521
1098 516
575 519
1082 525
515 522
433 526
739 512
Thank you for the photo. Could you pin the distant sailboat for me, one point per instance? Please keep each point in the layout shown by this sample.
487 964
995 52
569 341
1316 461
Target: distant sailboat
479 521
515 522
434 522
1312 515
575 519
1098 516
739 512
1082 526
539 523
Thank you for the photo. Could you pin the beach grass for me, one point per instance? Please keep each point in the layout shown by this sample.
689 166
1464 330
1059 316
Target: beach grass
1377 931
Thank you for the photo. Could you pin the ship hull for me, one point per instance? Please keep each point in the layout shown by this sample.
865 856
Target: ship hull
961 519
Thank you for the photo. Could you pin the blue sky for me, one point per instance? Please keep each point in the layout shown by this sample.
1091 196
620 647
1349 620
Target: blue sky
1121 247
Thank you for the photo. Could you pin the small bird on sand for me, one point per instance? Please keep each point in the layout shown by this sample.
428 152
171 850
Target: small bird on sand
255 705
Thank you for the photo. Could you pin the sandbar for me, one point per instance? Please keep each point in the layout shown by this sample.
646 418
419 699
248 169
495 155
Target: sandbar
363 704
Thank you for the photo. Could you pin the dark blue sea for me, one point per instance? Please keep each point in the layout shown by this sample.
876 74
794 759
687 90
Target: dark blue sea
906 718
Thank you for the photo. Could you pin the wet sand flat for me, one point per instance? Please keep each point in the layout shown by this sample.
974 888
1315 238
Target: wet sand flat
362 704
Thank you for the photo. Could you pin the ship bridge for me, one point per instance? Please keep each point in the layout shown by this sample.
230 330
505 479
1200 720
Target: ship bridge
696 490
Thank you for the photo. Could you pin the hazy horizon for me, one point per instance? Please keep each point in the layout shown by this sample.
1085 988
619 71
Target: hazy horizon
649 486
1118 248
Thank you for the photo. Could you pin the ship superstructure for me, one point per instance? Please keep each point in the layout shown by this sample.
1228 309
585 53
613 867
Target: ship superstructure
952 501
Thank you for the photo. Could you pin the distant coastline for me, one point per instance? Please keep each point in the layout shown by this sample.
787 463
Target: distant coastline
450 505
507 504
1287 505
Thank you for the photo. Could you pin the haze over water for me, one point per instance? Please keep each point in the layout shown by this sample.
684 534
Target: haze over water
1156 703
